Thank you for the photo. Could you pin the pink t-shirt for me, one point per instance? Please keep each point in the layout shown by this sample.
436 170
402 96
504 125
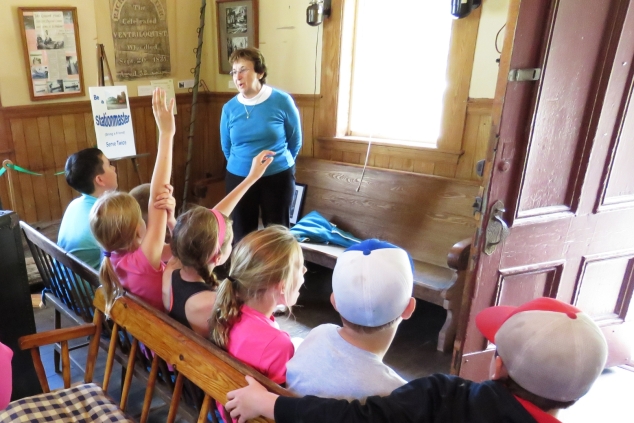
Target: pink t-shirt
258 341
6 381
138 276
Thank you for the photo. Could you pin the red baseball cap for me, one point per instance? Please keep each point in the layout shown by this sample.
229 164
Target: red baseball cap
549 347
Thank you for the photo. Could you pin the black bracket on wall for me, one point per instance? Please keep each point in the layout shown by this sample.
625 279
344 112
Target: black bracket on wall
461 8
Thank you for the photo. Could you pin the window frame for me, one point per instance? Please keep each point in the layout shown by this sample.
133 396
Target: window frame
338 39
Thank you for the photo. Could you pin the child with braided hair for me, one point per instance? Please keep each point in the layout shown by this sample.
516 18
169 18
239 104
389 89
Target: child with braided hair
202 240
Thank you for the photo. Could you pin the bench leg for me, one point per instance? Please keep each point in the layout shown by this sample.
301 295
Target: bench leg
56 355
452 302
447 333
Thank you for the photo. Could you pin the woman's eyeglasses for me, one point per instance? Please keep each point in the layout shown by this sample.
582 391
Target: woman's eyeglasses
239 72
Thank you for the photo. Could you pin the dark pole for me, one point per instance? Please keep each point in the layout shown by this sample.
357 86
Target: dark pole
192 121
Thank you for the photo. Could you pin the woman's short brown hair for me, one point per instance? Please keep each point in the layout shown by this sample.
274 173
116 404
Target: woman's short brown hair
254 56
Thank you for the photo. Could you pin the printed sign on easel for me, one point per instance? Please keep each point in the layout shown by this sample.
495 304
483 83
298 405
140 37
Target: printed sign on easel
113 121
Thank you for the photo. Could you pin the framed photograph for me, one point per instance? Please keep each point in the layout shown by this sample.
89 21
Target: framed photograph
297 205
237 28
52 54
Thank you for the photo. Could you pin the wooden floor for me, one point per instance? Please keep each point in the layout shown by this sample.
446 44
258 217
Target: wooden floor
413 353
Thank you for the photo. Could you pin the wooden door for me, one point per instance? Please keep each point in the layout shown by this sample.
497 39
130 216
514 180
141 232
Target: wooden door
562 163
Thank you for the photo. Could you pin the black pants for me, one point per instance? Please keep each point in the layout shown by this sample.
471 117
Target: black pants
270 194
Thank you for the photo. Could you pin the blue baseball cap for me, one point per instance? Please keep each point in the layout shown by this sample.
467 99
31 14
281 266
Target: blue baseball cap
372 283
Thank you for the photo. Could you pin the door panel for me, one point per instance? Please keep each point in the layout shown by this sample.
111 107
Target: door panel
563 166
517 286
558 129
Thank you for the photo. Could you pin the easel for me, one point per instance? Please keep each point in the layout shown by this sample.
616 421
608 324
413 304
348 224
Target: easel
101 59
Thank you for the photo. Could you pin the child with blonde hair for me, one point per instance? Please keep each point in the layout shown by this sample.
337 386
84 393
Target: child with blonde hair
202 240
267 270
132 251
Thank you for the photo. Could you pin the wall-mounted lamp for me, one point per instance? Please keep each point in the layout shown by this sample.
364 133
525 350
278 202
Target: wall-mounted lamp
316 11
462 8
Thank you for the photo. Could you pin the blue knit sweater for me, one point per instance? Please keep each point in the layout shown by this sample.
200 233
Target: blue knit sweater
272 125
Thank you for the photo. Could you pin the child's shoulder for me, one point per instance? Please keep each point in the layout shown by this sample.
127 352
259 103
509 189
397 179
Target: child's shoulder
135 260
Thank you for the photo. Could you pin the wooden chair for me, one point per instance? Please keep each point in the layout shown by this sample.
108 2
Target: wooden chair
192 357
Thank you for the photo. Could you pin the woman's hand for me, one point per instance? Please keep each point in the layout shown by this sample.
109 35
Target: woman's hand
260 163
163 114
250 402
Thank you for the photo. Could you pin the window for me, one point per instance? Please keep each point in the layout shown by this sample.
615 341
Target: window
398 70
399 78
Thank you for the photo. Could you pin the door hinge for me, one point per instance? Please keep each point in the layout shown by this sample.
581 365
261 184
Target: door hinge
477 205
522 75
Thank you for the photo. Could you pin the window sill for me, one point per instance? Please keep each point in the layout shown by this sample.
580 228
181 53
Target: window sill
404 149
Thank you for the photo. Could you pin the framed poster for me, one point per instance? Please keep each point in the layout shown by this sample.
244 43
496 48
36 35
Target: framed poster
52 54
297 204
237 28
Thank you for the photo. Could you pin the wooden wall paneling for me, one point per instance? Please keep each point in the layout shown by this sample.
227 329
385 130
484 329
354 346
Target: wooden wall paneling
464 32
350 157
151 137
330 59
56 125
80 130
140 139
424 167
49 166
36 164
447 170
29 212
475 138
70 139
89 124
179 155
308 116
382 161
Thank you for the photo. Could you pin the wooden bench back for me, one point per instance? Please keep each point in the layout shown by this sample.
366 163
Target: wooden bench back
193 357
426 215
68 278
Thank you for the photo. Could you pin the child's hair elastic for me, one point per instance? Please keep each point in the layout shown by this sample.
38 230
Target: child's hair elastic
106 253
222 229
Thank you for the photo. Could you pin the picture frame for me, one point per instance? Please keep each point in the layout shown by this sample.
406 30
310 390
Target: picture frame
52 52
297 204
238 27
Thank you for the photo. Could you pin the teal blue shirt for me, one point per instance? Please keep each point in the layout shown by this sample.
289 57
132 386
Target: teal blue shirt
273 125
75 236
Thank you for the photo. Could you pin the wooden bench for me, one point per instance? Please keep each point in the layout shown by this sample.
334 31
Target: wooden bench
193 358
430 217
70 288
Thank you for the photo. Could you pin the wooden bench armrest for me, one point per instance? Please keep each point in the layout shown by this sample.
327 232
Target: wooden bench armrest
458 257
55 336
62 336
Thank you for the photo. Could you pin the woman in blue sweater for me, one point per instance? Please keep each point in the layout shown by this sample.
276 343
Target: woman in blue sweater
259 118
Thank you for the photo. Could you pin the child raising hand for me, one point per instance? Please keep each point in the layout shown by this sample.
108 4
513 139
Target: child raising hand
133 251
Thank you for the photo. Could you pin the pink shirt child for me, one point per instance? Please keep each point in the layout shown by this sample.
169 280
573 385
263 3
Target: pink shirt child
258 341
6 379
138 276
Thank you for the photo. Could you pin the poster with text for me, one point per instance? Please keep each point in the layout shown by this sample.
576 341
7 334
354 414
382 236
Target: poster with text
113 121
51 50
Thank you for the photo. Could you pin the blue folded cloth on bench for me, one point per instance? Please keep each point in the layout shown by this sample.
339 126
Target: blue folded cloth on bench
315 228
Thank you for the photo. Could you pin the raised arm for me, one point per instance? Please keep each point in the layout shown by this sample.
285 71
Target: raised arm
152 244
258 166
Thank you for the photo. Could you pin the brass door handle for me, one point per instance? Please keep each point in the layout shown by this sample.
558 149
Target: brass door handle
497 229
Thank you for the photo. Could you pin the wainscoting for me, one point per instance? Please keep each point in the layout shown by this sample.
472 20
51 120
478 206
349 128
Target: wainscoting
41 137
